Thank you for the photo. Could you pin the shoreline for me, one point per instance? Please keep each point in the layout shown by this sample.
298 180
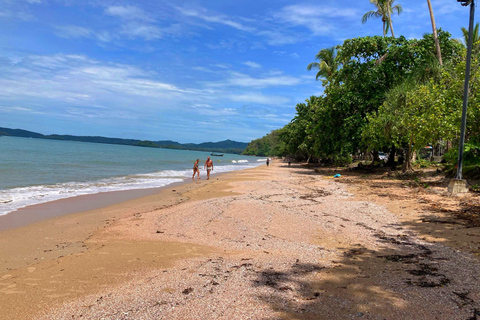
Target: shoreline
80 203
72 239
272 242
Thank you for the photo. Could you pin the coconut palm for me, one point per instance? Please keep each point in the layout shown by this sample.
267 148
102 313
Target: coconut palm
385 8
475 39
435 37
327 65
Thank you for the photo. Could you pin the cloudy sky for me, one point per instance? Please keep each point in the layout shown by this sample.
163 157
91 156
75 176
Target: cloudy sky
189 71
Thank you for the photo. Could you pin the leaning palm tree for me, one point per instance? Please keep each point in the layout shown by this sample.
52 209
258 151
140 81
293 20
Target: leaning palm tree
475 39
327 65
385 9
435 36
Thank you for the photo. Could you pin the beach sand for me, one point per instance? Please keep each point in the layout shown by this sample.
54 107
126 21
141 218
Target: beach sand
272 242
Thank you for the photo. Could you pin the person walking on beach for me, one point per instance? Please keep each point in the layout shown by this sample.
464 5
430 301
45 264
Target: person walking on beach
196 170
268 161
209 165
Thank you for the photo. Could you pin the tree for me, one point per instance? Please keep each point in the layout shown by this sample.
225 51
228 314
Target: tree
435 37
269 145
475 39
298 135
385 9
327 65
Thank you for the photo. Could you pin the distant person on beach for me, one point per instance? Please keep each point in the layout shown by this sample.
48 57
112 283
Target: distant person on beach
196 170
268 161
209 166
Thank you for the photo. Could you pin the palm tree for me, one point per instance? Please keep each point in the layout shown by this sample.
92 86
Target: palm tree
475 39
327 65
435 37
385 8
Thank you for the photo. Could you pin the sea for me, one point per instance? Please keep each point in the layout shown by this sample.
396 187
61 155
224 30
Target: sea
34 171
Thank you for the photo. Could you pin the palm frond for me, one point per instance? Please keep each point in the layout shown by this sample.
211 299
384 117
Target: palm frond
398 8
370 14
313 65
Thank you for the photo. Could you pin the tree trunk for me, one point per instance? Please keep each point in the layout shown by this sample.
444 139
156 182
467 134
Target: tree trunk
375 157
390 19
435 36
384 30
407 165
391 157
391 27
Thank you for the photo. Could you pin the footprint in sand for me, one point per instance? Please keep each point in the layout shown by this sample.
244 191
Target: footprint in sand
7 276
31 269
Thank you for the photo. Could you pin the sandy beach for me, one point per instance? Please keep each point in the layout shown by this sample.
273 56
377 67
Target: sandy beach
273 242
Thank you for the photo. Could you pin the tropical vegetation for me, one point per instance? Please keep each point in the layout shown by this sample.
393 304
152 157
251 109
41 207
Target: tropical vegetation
387 94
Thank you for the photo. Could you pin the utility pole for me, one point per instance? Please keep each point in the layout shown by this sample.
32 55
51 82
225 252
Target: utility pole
458 185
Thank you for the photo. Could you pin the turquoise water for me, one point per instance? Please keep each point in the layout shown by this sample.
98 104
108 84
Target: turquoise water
34 171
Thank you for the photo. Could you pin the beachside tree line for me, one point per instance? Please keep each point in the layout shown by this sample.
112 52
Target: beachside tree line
387 94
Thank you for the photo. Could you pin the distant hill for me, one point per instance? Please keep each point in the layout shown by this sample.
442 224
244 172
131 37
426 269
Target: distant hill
227 146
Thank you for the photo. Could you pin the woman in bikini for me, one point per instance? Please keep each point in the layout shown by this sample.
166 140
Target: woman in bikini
196 170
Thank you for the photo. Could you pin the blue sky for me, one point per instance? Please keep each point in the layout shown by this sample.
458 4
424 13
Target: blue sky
189 71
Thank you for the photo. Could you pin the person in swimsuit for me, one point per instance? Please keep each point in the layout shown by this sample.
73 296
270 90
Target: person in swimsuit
209 166
196 170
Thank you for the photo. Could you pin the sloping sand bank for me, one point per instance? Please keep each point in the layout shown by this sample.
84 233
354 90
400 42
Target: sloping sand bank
273 242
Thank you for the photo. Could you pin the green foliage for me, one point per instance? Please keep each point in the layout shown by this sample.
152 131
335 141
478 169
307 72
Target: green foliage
327 65
471 154
382 92
385 8
422 163
269 145
146 143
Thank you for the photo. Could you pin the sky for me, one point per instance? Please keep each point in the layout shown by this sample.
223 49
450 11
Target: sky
188 71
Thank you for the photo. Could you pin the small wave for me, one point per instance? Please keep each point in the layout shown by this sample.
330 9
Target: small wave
17 198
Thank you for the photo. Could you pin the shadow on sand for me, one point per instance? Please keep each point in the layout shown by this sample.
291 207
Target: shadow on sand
426 271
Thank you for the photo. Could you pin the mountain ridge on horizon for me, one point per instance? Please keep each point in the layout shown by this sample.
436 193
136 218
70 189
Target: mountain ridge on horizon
225 146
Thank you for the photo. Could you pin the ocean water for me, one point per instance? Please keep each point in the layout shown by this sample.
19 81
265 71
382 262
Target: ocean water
34 171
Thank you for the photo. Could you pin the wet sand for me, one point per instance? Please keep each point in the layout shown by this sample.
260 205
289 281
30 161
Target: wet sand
265 243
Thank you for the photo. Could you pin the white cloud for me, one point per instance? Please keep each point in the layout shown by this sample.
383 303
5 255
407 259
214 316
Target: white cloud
208 110
5 13
319 19
214 18
278 38
242 80
252 64
128 13
71 31
148 32
222 66
260 99
78 79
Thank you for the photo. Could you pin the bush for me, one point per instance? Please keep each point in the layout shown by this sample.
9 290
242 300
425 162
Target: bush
471 155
